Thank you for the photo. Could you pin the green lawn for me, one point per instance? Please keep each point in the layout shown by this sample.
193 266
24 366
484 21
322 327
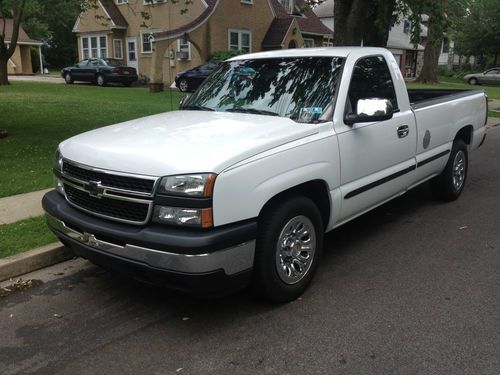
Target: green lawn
24 235
493 92
40 115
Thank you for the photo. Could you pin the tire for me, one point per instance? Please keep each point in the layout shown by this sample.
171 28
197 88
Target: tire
473 81
449 184
127 84
183 85
278 274
68 78
100 81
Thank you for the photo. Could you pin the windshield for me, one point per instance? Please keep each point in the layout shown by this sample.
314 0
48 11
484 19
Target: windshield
300 88
113 62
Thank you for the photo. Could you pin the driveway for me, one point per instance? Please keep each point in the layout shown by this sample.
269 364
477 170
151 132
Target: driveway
410 288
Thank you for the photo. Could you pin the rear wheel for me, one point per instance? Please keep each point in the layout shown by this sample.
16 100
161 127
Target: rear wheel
100 80
289 244
68 78
449 184
473 81
127 84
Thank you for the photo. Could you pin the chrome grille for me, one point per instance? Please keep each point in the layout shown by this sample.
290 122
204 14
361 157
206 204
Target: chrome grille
108 207
108 179
112 195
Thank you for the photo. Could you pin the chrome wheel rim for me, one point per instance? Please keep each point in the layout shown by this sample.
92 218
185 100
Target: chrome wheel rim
68 77
295 249
459 170
100 80
183 86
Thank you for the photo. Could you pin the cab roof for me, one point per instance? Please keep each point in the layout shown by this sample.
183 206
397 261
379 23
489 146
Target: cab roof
311 52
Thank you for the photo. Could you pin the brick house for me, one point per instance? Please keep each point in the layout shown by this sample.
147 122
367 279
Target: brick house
20 61
173 40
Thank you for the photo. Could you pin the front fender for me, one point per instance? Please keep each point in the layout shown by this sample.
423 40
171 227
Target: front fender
242 191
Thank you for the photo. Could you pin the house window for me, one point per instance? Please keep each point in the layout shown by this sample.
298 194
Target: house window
247 1
240 40
117 49
406 27
94 46
103 47
121 2
183 50
288 5
85 48
308 43
146 41
149 2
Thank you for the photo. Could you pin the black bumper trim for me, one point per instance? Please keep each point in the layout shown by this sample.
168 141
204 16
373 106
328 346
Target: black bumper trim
153 236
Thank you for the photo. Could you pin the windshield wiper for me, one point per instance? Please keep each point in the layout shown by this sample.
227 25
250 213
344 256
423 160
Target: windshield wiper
197 108
253 111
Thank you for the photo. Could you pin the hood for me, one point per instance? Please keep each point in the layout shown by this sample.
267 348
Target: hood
182 142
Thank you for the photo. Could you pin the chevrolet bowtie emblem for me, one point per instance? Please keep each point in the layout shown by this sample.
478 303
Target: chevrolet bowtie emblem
89 239
95 189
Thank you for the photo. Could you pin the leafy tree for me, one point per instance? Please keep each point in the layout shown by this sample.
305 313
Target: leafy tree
477 33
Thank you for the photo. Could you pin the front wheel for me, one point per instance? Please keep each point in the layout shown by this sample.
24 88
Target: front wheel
449 184
289 244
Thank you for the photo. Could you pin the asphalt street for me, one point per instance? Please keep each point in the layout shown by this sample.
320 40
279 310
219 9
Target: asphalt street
410 288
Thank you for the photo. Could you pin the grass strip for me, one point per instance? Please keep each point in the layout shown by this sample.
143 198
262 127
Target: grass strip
24 235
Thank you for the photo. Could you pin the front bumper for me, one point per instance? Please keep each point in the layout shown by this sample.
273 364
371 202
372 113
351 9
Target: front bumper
186 259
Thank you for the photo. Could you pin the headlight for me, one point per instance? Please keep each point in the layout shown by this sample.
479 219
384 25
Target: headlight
59 186
196 217
58 161
192 185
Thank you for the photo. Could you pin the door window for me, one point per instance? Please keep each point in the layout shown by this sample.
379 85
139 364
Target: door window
131 51
371 78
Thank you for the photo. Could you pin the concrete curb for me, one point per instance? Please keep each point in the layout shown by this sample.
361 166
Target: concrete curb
33 260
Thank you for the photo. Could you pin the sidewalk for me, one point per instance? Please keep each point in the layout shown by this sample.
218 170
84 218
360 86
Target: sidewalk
37 78
20 207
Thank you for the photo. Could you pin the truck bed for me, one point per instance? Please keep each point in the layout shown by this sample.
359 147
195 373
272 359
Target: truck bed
420 98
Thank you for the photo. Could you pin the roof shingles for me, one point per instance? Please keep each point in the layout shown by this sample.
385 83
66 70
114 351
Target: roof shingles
308 23
22 37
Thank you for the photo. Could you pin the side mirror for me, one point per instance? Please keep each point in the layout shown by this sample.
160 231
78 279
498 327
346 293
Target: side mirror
370 110
183 101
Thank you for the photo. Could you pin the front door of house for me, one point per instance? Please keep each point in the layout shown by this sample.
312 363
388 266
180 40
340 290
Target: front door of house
132 52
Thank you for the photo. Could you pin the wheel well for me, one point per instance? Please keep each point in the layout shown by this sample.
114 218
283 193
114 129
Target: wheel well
316 190
465 134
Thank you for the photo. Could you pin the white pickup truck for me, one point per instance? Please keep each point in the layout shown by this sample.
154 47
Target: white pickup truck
239 186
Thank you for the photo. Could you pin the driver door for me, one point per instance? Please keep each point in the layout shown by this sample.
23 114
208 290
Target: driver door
377 158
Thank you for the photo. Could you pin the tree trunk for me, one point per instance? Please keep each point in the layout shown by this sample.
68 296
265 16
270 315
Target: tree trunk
451 58
378 23
349 18
429 71
4 78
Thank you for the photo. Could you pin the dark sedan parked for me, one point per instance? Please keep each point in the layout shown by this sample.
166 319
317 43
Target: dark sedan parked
190 80
100 72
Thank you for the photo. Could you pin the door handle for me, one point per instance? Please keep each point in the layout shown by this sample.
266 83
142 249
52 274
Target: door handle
403 131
